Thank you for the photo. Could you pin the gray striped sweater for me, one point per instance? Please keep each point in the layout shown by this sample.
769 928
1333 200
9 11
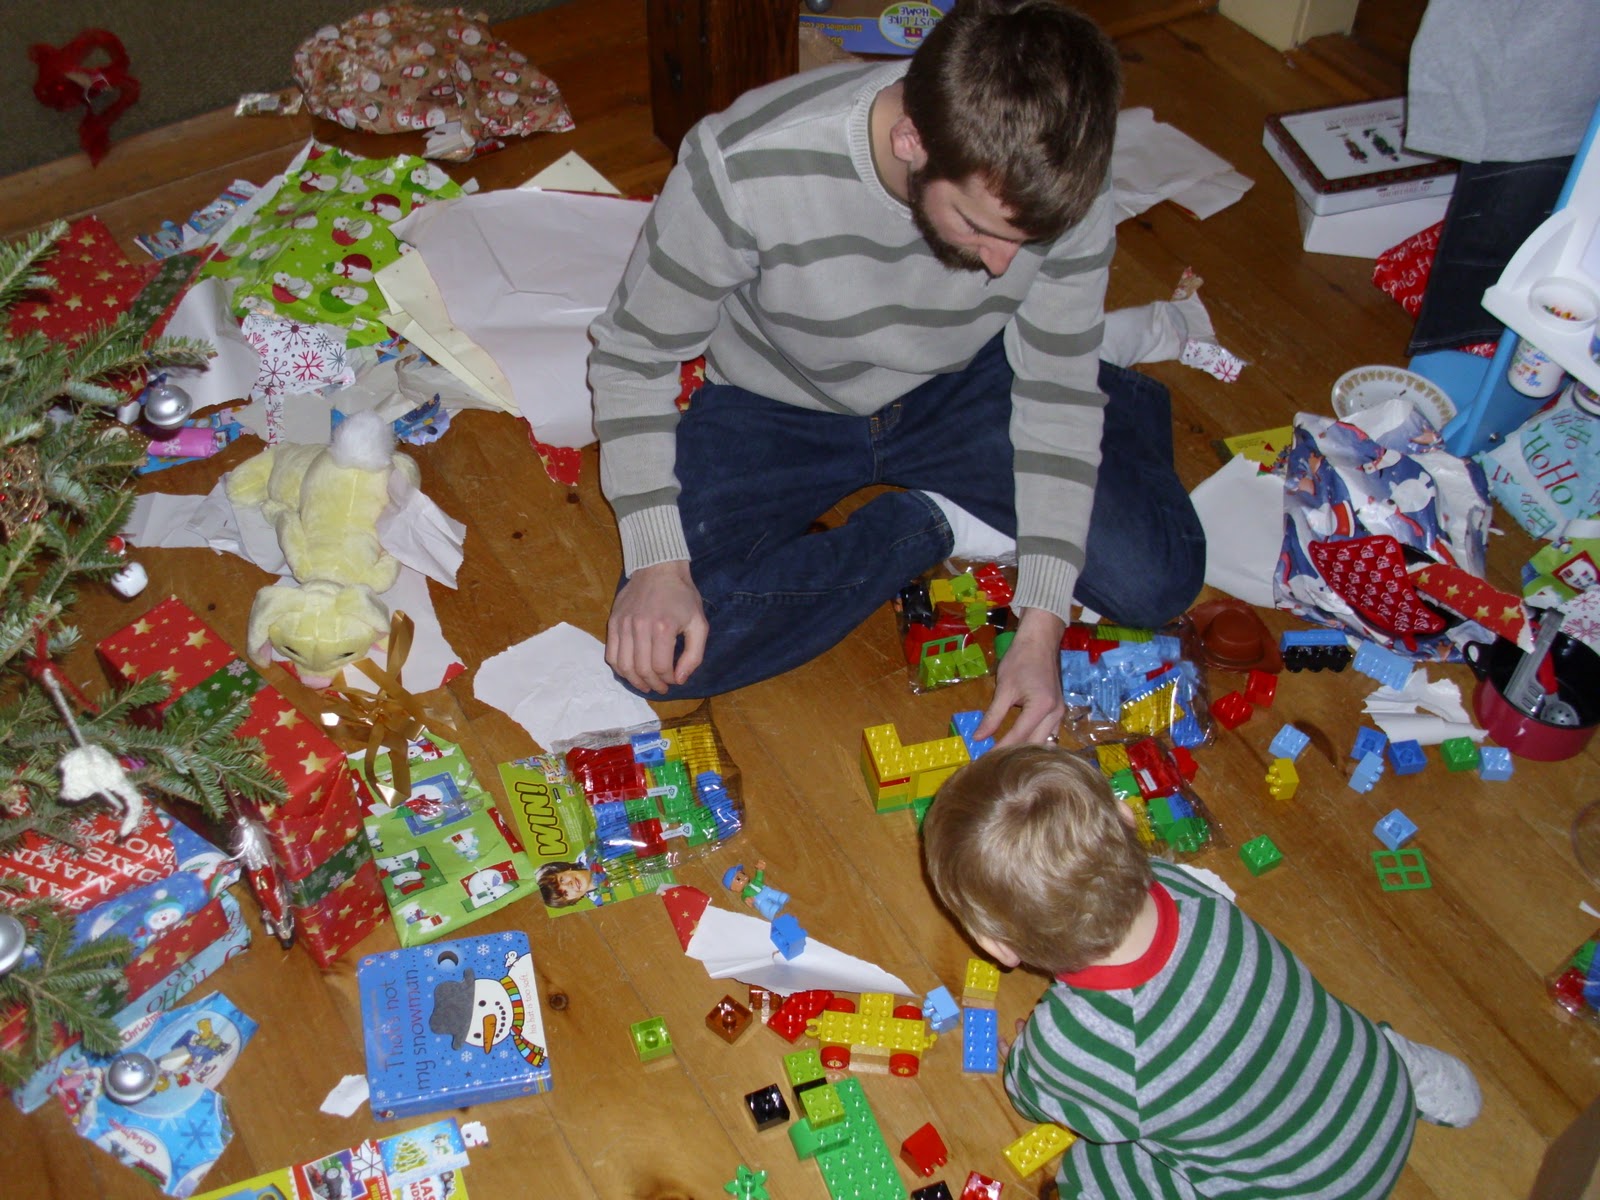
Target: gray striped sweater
1228 1072
775 249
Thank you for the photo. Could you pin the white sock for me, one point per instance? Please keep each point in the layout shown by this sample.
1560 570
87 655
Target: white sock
1447 1093
973 539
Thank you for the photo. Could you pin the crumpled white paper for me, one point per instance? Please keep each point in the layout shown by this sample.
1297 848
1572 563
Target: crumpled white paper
1241 510
734 946
1152 162
556 685
1424 711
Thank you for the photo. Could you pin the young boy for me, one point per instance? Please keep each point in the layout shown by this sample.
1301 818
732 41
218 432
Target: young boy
1189 1048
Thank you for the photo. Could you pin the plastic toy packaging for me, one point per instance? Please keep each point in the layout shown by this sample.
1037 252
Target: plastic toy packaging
955 627
630 805
1125 684
1575 984
1154 782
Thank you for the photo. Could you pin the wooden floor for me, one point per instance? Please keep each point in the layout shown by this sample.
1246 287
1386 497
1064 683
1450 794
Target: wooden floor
1459 965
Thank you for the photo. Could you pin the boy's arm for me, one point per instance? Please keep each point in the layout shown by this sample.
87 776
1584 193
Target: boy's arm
1050 1075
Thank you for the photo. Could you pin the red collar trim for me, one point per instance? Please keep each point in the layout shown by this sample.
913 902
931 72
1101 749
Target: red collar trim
1142 969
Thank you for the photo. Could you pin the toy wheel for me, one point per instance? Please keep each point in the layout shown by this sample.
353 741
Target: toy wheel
840 1004
904 1064
835 1058
909 1012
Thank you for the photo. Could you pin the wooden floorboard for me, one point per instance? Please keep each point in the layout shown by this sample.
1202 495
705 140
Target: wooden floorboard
1460 965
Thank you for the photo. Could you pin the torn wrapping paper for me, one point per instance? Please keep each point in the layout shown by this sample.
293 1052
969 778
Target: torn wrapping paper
522 274
176 1133
230 375
1152 162
734 946
1424 711
1179 328
1382 472
1241 510
556 685
399 68
310 253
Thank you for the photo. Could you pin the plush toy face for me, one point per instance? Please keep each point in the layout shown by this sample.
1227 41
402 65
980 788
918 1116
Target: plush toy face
319 627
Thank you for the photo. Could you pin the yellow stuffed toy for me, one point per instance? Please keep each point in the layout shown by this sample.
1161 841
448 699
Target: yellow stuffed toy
324 502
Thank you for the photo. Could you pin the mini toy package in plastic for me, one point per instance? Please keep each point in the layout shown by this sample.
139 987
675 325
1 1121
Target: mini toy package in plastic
609 816
1154 782
1123 684
955 627
1575 984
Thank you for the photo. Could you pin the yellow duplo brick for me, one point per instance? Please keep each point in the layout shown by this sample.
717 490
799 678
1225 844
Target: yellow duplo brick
1037 1147
1112 757
1141 820
941 591
980 984
1282 779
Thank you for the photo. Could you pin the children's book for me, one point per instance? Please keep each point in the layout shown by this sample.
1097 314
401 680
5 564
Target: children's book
450 1024
426 1163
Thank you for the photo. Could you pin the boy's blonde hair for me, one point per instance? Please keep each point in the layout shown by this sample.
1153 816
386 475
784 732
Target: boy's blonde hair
1028 846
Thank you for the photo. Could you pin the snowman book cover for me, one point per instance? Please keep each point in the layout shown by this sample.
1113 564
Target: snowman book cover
452 1023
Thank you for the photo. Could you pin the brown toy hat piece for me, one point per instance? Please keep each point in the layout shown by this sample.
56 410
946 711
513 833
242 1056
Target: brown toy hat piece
1228 635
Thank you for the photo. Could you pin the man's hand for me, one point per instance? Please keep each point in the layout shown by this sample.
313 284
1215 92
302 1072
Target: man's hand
1029 680
654 607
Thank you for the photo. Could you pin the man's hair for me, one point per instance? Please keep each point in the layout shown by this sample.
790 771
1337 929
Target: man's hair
1024 95
1028 846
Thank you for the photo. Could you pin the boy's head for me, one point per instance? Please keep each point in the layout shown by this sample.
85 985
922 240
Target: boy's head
1030 851
1022 94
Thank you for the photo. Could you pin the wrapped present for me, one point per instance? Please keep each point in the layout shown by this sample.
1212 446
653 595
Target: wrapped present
176 1133
184 973
102 868
330 925
319 815
446 854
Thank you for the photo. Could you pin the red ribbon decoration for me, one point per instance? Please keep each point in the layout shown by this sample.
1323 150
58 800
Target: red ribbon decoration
67 80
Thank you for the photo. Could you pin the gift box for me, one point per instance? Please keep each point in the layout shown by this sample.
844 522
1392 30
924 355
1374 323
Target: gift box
80 877
445 853
329 926
174 1135
315 833
196 961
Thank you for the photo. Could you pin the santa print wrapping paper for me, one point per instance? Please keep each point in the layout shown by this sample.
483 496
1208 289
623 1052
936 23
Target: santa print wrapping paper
79 878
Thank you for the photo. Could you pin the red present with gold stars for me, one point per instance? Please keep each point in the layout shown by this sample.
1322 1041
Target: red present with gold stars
354 908
207 676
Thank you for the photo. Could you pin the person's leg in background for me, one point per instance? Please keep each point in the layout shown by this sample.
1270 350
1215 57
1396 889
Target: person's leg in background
1493 209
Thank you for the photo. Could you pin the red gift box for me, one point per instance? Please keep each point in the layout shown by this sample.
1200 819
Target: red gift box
320 814
344 916
143 972
80 877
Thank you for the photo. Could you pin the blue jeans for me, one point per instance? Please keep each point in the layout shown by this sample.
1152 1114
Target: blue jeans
755 474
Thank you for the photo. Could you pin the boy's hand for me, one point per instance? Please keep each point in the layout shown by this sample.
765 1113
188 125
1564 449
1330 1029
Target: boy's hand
1006 1043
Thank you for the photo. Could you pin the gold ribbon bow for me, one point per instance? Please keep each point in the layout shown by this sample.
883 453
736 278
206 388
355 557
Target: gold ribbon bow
392 717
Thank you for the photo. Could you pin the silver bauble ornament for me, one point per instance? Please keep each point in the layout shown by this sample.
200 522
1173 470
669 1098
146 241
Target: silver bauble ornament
166 406
13 941
130 1078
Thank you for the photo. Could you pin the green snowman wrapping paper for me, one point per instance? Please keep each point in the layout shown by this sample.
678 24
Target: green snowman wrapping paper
309 253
